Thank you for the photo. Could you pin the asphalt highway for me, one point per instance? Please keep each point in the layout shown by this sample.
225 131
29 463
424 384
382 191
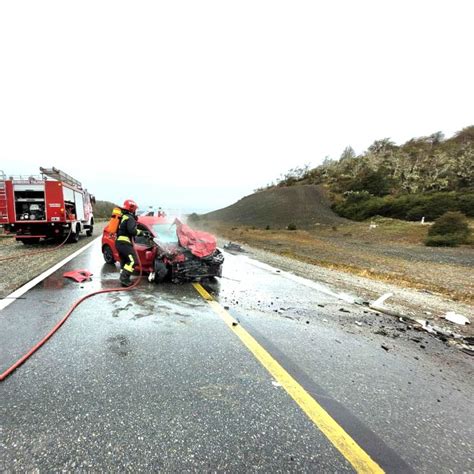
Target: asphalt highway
255 372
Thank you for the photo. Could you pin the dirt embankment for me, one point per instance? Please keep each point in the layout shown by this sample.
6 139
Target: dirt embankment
303 206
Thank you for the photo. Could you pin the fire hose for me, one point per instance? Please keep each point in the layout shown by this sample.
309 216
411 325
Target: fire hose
43 341
30 254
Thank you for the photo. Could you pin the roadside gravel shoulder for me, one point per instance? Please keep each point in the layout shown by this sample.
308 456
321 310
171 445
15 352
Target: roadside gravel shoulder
22 269
417 304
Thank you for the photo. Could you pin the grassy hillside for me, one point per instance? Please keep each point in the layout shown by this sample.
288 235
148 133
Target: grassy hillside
425 176
303 206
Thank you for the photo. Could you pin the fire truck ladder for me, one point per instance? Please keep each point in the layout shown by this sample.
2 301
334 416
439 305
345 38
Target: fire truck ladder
3 200
60 176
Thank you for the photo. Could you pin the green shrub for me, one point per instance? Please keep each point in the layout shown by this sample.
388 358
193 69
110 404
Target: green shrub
357 196
267 227
448 240
466 204
449 230
361 205
374 182
450 223
291 227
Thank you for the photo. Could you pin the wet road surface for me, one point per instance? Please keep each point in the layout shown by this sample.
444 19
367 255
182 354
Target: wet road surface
155 380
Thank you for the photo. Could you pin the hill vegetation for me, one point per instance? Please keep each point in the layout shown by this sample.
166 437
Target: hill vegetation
103 209
425 176
449 230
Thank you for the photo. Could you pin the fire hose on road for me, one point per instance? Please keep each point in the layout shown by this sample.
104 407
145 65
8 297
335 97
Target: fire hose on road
45 339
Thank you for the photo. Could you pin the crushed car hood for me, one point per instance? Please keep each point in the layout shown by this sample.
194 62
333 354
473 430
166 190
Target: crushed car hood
200 244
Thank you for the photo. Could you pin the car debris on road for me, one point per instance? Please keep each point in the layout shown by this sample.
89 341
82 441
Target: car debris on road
233 247
456 318
79 276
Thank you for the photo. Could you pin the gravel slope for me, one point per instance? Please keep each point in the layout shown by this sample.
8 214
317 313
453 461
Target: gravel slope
304 206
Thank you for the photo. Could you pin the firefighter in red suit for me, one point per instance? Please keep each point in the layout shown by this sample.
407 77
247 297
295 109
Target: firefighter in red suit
125 235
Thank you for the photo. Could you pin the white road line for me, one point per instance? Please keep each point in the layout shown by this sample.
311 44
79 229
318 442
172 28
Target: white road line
23 289
302 281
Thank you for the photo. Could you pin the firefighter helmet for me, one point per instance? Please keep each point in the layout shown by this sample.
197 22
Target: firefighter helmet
130 205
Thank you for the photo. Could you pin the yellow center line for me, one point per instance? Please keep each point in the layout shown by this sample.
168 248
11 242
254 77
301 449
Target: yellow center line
359 459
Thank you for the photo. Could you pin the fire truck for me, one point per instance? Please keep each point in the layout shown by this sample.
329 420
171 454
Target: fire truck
50 205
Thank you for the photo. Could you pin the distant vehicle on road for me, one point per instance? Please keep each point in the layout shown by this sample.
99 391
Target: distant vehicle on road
170 250
52 204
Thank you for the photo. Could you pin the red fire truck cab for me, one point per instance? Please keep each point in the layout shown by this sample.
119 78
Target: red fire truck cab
51 205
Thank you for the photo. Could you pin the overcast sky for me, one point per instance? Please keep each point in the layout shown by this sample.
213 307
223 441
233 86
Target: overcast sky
193 104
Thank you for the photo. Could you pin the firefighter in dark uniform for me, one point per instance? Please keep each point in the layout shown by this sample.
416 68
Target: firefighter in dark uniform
124 243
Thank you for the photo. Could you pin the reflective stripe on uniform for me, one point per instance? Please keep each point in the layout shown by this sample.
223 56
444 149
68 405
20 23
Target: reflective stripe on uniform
129 266
124 238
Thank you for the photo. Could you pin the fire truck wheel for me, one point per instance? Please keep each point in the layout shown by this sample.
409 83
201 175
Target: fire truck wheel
108 255
90 231
74 237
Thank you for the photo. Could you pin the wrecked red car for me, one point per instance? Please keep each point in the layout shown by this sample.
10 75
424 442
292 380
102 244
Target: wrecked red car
170 251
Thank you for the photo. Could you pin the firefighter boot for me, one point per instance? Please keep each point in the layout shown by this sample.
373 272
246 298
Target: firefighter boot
125 278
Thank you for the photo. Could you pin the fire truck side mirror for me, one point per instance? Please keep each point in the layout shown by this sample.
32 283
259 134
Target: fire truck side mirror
92 199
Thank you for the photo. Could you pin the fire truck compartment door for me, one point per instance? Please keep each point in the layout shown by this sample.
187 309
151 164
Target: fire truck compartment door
79 198
68 194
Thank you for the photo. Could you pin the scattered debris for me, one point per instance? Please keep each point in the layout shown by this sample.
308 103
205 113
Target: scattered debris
226 308
469 350
383 346
428 292
378 305
343 310
358 323
325 320
234 323
78 275
456 318
424 326
380 301
276 384
233 247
